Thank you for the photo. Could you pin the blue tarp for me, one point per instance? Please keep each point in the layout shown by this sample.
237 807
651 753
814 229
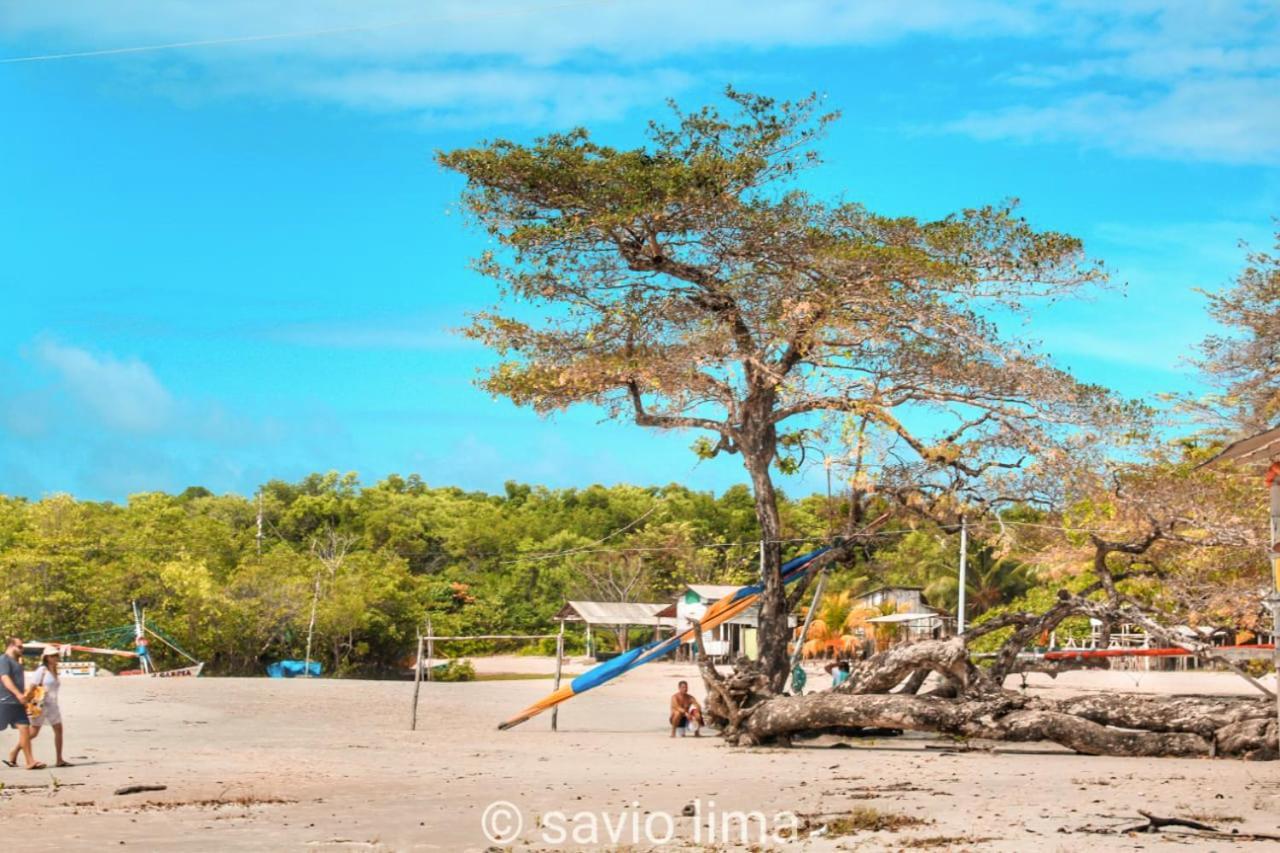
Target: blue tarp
292 668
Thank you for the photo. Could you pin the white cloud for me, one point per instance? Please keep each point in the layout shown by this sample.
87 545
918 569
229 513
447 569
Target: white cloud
1154 351
1159 78
536 32
508 95
1145 77
457 62
1193 248
1235 120
124 394
103 426
389 334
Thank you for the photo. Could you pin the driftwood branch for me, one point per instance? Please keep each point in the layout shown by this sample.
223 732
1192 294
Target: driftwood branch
973 703
1153 824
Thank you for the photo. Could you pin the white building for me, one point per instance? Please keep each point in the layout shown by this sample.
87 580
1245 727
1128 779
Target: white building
733 638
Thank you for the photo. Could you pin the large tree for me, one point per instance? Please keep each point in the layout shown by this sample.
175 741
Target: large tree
687 284
1142 543
1245 362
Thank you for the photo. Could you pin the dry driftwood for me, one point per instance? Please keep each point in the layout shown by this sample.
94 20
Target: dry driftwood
139 789
973 704
1183 826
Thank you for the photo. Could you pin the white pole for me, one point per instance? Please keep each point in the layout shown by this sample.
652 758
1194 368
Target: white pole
808 617
964 571
311 627
431 648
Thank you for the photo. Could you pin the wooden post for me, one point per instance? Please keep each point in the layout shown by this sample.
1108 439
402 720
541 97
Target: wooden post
431 648
417 685
555 712
1274 598
591 652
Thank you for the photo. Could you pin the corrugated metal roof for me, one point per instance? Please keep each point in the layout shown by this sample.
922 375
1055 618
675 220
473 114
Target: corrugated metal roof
870 593
614 613
713 592
905 617
1255 448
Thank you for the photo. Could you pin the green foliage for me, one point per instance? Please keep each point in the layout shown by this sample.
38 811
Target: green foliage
455 670
473 563
1037 599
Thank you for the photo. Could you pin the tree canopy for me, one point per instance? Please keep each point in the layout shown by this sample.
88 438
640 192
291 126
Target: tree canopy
1245 361
688 284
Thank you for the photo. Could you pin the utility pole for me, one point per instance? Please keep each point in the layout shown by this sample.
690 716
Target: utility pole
259 521
964 568
831 519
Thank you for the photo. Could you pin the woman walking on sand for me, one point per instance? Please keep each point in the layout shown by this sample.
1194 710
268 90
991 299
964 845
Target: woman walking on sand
46 676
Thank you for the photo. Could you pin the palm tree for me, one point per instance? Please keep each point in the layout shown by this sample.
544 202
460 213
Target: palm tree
839 628
989 582
887 632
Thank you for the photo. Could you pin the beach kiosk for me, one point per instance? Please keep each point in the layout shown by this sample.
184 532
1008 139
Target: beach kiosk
618 615
1262 451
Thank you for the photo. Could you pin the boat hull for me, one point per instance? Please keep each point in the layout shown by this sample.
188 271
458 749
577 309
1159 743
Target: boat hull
184 672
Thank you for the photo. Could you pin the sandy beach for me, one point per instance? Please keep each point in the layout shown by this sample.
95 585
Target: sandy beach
252 764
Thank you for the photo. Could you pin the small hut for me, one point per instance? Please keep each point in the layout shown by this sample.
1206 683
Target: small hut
620 616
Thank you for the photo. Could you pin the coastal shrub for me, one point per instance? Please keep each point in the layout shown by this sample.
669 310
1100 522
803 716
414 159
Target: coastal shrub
455 670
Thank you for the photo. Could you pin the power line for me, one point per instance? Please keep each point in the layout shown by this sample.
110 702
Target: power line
584 549
299 34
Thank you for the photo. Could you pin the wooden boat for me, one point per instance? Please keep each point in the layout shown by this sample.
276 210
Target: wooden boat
142 636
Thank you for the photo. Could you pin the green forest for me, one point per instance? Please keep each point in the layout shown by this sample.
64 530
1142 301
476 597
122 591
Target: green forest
387 556
379 560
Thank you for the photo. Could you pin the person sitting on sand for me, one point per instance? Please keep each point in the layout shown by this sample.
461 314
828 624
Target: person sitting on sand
46 677
685 710
839 673
14 697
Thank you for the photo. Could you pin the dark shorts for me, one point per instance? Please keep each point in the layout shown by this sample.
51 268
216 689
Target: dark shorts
13 714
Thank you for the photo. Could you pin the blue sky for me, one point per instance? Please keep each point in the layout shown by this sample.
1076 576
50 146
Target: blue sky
232 261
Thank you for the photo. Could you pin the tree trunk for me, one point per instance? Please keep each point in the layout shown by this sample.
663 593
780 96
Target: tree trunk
774 633
1131 725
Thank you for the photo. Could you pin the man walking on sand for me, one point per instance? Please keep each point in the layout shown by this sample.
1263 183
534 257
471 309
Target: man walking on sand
685 710
13 700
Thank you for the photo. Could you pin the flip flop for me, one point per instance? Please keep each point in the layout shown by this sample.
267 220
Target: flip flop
8 763
39 765
64 764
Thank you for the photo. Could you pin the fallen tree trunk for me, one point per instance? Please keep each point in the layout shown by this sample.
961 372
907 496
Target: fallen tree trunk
1010 717
973 705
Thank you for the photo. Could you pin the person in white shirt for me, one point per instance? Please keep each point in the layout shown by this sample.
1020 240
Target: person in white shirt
46 676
